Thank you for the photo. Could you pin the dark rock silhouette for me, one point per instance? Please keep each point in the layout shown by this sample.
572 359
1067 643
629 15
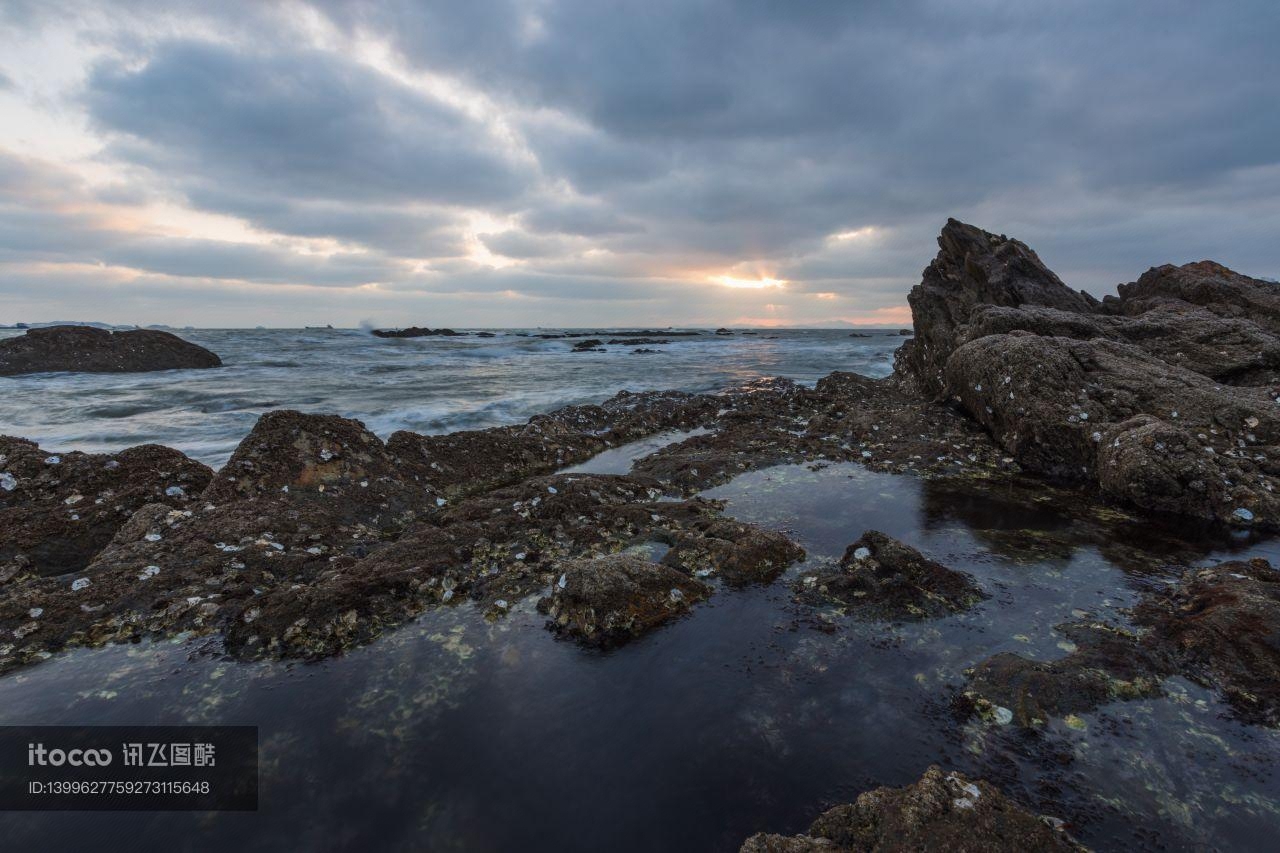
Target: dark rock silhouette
416 332
85 349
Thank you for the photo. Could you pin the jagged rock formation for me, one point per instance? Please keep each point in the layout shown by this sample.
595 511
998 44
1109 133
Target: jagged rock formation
1160 397
84 349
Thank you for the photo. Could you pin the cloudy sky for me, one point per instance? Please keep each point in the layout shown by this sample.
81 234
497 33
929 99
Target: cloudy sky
583 162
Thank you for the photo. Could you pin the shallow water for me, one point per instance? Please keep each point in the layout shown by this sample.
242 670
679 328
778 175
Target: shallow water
428 385
752 713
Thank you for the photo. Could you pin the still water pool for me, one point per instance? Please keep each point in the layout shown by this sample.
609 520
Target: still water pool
753 713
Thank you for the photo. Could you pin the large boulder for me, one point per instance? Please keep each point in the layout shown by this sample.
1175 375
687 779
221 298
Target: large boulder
974 267
84 349
940 812
1164 398
1210 285
58 510
327 460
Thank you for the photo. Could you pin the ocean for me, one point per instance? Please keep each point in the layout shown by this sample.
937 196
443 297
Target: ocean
428 385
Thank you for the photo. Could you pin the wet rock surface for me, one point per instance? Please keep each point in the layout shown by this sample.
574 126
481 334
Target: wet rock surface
84 349
471 461
1215 626
57 510
942 811
1108 664
609 600
880 577
1162 396
316 536
1220 627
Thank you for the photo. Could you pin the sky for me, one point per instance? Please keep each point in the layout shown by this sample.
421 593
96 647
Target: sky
497 163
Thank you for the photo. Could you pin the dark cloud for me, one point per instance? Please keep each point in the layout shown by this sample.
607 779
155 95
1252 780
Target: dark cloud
648 143
295 124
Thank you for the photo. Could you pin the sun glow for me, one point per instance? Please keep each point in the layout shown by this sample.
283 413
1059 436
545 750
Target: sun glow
751 283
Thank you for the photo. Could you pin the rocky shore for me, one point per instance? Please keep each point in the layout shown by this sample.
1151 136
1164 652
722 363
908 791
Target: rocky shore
85 349
318 536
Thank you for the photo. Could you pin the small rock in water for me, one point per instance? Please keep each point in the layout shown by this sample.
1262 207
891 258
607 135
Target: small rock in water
79 584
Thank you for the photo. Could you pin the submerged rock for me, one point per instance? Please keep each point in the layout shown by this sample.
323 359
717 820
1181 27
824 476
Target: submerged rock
589 345
883 578
1108 664
85 349
940 812
609 600
1216 626
1219 627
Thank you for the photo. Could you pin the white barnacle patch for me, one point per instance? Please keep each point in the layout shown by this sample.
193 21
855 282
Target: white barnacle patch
52 460
175 492
79 584
153 537
8 482
861 553
326 454
73 499
148 573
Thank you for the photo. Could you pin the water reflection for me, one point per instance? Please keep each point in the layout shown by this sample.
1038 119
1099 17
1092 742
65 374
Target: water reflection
753 713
